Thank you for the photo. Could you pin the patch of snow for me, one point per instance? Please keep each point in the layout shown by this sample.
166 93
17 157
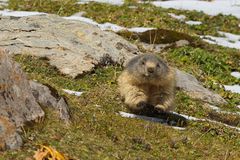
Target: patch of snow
193 22
179 17
7 12
113 2
111 27
107 25
230 36
215 7
152 119
236 74
139 29
219 110
207 120
82 19
233 88
228 40
73 92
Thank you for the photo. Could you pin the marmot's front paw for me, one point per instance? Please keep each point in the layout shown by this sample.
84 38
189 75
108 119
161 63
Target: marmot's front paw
161 108
142 105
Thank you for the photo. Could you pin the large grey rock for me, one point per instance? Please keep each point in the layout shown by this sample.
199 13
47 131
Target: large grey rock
49 98
17 104
74 47
194 89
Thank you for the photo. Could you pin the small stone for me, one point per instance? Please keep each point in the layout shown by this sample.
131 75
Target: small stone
63 110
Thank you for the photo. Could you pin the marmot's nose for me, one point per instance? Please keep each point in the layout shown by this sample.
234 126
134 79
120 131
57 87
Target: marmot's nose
150 69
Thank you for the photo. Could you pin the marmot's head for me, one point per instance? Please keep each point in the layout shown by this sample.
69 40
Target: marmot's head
147 67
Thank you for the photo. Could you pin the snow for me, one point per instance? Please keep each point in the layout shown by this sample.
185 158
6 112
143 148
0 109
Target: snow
139 29
107 25
179 17
82 19
111 27
230 36
193 22
182 18
19 13
228 40
236 74
206 120
219 110
113 2
225 7
73 92
152 119
233 88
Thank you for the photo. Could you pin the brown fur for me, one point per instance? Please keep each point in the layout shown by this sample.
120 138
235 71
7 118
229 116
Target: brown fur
157 90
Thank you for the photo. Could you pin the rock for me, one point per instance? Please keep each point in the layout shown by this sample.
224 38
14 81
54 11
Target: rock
63 110
154 48
17 104
44 96
9 138
74 47
158 48
49 98
181 43
194 89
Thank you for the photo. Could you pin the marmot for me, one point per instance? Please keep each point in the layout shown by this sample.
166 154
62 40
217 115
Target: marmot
147 82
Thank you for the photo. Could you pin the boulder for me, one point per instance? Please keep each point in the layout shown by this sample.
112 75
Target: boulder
194 89
17 104
74 47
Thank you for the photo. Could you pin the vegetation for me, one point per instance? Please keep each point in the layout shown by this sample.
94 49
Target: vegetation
97 131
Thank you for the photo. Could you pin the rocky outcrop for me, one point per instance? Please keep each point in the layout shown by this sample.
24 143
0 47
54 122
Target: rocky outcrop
17 104
74 47
194 89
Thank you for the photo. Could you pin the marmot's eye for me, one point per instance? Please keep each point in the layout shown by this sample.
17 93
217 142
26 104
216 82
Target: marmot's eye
143 63
158 65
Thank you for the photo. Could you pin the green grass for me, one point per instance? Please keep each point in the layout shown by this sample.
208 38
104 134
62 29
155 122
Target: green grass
210 67
131 17
98 132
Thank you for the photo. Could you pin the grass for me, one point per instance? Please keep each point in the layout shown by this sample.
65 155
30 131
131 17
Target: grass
60 7
129 17
97 131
